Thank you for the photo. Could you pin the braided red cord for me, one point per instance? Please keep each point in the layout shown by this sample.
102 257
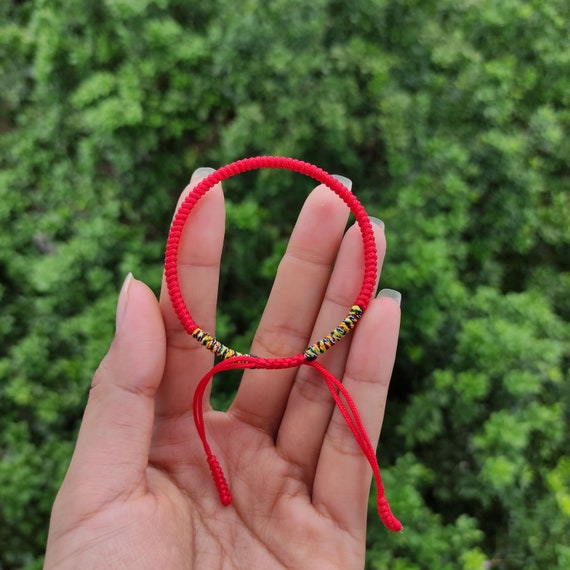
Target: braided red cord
244 165
234 360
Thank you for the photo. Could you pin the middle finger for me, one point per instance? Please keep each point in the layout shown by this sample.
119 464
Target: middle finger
292 307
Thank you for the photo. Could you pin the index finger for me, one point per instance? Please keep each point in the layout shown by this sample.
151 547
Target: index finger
199 260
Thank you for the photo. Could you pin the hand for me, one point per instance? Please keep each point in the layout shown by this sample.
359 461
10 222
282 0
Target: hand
138 492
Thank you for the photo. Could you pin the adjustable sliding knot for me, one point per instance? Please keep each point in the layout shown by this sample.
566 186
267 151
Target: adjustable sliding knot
233 360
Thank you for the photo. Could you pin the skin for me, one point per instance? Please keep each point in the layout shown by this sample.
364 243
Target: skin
138 492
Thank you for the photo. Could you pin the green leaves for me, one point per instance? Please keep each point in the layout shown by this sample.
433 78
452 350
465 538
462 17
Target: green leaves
559 482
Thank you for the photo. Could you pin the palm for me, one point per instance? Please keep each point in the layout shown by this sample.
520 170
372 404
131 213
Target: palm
298 480
268 488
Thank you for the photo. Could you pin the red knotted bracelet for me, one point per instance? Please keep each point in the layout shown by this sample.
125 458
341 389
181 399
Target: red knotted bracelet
231 359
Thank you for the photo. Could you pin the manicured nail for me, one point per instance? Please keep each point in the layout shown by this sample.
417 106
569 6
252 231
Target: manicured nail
378 222
343 180
201 172
122 302
392 294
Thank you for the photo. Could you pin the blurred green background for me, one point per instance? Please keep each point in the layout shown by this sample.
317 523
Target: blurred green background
451 117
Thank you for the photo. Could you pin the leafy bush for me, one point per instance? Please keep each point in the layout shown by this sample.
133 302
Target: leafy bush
450 117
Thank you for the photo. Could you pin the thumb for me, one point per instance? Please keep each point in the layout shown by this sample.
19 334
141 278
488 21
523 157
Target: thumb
111 454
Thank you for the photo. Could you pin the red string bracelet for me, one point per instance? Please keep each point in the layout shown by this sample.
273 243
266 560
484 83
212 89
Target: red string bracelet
232 359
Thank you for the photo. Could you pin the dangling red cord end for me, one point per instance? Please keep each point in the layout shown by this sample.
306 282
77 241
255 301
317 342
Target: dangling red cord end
386 516
220 481
353 421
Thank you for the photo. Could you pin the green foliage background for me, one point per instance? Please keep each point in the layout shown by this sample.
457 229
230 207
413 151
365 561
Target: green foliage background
452 119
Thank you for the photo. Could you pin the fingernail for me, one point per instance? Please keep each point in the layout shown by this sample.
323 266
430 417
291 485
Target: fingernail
122 302
378 222
201 172
343 180
392 294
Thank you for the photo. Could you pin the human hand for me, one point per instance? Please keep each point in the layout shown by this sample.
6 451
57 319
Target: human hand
138 492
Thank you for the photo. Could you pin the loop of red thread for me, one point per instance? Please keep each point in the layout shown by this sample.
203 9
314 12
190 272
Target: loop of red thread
348 410
274 162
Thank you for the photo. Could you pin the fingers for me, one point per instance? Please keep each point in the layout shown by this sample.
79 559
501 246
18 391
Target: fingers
198 271
290 313
112 449
342 479
310 405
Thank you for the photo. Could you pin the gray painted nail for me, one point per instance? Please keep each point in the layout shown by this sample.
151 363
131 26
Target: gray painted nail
392 294
343 180
201 172
378 222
